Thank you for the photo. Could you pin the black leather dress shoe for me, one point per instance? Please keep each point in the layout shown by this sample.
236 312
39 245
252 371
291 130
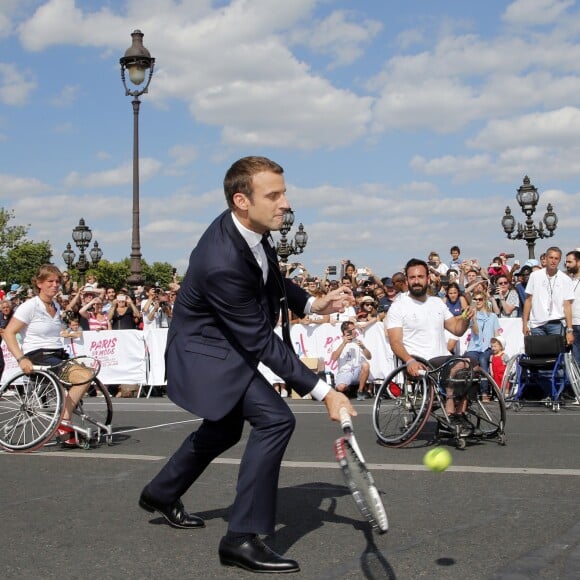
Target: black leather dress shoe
174 513
255 556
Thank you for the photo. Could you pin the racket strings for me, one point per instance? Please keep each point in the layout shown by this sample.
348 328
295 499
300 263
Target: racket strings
77 371
361 485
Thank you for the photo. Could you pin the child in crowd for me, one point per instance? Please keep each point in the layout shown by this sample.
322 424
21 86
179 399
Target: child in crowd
499 358
72 330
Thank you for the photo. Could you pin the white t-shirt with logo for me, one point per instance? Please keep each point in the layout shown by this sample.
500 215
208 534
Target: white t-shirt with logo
422 324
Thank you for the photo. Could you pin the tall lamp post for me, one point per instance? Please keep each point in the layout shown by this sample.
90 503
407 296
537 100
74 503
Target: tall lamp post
137 61
285 248
82 236
528 197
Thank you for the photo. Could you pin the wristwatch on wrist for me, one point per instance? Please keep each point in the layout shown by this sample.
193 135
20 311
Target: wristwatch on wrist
569 330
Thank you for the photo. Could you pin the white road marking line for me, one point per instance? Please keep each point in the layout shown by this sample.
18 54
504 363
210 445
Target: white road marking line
316 464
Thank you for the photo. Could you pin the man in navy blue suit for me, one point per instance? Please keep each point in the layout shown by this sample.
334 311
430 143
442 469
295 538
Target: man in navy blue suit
223 326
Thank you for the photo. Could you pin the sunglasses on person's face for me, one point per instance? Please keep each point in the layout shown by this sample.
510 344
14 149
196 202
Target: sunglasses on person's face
502 283
478 299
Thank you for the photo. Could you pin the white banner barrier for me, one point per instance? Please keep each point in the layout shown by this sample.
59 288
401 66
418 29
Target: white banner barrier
120 352
131 356
155 341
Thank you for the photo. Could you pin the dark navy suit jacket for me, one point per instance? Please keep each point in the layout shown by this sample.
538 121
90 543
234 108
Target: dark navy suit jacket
223 325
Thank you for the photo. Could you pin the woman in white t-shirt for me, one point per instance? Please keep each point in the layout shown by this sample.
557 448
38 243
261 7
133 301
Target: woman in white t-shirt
38 322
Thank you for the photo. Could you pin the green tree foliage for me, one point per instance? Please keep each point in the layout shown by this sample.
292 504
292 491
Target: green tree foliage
10 236
158 273
113 274
19 257
23 261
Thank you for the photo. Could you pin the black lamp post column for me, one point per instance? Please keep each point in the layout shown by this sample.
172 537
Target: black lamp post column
527 198
137 60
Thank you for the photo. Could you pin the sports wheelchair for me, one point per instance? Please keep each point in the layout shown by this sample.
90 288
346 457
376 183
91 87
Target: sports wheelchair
404 404
32 407
546 373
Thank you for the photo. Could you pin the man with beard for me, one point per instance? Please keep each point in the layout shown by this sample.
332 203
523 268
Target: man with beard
416 325
572 267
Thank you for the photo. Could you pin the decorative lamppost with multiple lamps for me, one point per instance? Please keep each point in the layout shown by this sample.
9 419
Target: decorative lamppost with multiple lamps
137 60
528 197
82 236
285 248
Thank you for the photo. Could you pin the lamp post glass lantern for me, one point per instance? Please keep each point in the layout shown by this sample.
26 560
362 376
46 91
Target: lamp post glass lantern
527 198
285 248
136 61
82 236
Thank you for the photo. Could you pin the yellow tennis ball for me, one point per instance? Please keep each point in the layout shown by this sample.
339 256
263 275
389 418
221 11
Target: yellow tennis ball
438 459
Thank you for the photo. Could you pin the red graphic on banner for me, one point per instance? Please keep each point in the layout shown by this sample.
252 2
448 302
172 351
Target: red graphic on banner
105 351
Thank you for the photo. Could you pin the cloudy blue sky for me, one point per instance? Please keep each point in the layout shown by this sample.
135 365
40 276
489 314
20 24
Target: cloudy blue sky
404 126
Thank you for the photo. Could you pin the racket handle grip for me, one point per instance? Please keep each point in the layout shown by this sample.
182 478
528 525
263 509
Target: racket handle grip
421 372
345 420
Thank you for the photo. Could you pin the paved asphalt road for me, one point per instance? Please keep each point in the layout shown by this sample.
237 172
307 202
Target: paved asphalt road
508 512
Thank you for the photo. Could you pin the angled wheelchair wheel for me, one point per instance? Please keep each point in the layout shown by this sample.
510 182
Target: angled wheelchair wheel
401 408
488 416
92 418
509 384
572 374
31 409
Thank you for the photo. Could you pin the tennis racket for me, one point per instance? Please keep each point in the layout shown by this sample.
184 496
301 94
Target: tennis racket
75 371
358 478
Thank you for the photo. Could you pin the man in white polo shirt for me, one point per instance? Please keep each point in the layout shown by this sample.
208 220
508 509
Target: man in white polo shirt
549 297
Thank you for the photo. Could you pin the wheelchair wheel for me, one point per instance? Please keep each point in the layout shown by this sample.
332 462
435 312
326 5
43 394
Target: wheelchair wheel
401 408
31 409
573 374
488 417
92 418
509 384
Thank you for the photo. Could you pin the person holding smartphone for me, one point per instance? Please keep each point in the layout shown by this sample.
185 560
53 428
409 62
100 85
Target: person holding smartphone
353 362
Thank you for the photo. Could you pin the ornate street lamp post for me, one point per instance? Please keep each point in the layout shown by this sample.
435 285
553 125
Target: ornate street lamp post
528 197
284 248
137 61
82 236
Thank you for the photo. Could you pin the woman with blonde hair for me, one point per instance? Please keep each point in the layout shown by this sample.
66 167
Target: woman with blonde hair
484 326
38 322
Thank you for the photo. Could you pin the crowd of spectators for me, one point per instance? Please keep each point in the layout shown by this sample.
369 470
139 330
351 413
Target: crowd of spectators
495 290
95 307
456 283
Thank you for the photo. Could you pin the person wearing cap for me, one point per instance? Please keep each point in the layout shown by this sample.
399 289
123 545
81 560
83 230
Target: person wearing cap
436 265
523 274
123 314
549 297
505 300
367 313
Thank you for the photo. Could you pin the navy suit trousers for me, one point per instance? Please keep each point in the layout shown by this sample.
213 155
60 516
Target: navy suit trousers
254 508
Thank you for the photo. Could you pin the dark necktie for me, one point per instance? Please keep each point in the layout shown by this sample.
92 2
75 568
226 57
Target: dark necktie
274 270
